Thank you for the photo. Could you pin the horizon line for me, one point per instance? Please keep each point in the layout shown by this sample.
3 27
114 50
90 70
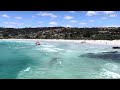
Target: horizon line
66 27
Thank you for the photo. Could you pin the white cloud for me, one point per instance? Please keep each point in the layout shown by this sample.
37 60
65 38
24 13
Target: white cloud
113 25
53 23
33 16
68 17
13 23
51 26
68 26
5 15
73 21
112 15
10 26
91 13
82 23
27 25
108 12
18 17
47 14
71 11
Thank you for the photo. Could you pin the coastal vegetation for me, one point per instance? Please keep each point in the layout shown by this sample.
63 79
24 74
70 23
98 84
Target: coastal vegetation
94 33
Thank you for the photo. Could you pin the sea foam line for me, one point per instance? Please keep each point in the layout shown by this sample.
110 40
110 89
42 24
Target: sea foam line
100 42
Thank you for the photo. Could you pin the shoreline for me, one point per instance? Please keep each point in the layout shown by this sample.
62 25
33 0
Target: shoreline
100 42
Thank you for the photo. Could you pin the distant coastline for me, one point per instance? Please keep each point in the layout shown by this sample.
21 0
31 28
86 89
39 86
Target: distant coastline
68 33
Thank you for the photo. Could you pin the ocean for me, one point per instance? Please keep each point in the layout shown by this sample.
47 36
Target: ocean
20 59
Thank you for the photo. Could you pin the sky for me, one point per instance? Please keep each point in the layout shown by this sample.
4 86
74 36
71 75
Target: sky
21 19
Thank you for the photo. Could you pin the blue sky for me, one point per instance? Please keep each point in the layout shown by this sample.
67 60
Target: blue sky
20 19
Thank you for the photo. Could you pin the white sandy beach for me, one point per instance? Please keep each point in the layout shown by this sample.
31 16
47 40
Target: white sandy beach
100 42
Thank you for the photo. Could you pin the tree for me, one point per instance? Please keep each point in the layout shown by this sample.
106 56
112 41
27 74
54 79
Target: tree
5 34
86 34
26 36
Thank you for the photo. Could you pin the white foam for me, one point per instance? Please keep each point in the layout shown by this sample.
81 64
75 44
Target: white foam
111 66
108 74
69 50
99 42
58 49
40 69
27 69
49 49
48 45
60 62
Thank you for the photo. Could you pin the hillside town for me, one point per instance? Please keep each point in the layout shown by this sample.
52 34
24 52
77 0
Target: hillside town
94 33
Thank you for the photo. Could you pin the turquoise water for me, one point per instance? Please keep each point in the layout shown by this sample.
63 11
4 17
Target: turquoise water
57 60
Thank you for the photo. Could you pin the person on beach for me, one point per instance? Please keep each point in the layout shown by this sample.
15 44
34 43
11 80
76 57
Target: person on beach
37 43
83 42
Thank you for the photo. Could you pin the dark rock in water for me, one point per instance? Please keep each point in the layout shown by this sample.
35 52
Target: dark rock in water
90 53
115 47
87 53
111 52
